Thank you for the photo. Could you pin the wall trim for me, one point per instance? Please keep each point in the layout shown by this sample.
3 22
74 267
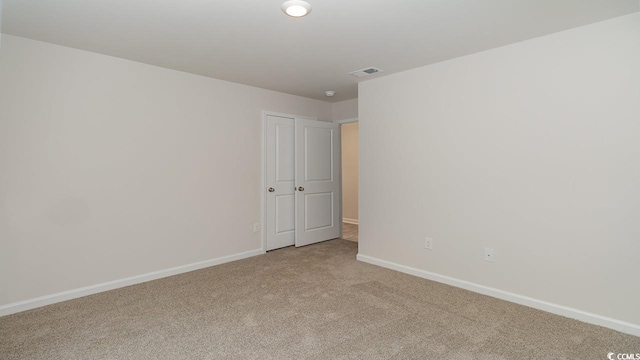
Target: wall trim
619 325
115 284
350 221
347 121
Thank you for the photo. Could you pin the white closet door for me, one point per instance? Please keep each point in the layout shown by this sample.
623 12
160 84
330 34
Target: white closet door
280 184
317 169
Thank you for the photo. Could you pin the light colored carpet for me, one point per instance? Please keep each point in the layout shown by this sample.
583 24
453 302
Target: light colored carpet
350 232
315 302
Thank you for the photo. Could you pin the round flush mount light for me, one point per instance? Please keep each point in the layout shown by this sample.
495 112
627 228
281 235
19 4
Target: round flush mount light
330 93
296 8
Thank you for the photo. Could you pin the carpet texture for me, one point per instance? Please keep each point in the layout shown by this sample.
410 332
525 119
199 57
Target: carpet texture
315 302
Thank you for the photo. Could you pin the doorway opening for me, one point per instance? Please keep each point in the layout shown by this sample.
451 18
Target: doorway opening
349 147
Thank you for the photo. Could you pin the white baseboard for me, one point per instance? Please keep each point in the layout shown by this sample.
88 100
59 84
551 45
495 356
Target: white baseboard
110 285
350 221
619 325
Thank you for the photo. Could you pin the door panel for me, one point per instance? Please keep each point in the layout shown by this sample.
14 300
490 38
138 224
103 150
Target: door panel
285 204
318 211
318 154
285 147
317 168
280 164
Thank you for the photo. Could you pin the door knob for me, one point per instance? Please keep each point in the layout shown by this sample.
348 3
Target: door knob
300 188
272 189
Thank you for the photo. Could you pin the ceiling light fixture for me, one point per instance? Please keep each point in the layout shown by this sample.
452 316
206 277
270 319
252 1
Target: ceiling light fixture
296 8
329 93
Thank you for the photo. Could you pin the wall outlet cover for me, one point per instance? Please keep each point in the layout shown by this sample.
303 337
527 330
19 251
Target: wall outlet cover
428 243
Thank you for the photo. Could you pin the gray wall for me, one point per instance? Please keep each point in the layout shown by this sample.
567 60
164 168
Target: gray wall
531 149
111 168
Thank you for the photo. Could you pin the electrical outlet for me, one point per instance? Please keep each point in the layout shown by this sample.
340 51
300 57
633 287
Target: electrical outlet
428 243
256 227
489 255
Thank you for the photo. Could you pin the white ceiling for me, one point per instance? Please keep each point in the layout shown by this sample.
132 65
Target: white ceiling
252 42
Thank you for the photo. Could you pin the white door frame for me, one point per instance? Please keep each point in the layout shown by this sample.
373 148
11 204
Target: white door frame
263 182
347 121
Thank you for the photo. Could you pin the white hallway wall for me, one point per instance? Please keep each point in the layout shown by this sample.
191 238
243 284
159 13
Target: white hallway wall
532 149
349 138
111 168
347 109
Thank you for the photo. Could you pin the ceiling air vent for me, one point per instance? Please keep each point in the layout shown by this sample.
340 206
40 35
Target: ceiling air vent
365 72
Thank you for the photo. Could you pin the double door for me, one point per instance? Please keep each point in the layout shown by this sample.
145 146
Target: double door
302 181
